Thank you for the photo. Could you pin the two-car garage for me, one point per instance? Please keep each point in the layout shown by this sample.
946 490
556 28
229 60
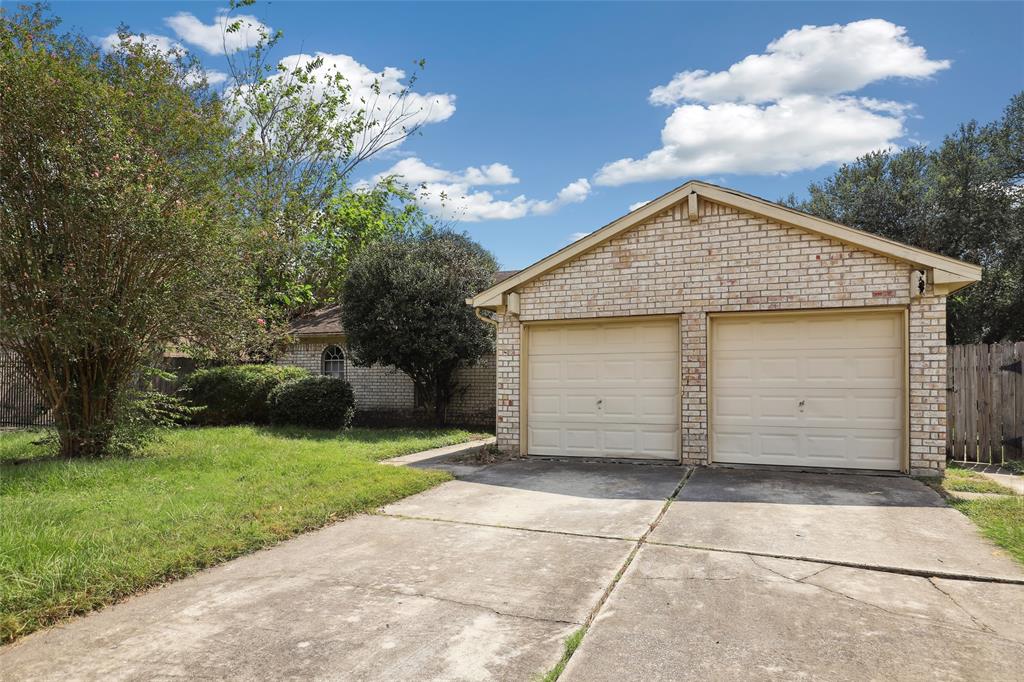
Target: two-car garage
709 326
814 389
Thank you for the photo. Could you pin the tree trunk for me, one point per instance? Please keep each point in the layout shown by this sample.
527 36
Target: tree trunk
440 404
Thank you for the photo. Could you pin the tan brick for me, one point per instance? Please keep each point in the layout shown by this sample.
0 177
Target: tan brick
729 261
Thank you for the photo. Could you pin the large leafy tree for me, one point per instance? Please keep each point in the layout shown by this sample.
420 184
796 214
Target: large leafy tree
404 305
963 199
304 130
116 235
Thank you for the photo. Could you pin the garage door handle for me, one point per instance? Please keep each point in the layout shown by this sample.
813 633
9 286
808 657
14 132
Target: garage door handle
801 404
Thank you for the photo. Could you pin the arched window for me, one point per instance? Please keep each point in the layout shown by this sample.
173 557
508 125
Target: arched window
332 362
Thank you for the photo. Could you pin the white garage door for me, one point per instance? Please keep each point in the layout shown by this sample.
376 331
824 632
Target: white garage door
823 390
604 389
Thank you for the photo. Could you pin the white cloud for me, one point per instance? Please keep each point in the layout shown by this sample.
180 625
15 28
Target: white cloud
413 171
576 236
790 135
639 204
215 77
812 60
574 193
786 110
214 38
162 43
457 195
382 94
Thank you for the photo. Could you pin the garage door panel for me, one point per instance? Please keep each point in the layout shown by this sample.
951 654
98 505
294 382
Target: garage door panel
625 406
545 370
852 409
607 389
605 369
663 408
581 439
577 405
834 448
546 438
580 371
860 368
546 405
879 365
659 370
813 389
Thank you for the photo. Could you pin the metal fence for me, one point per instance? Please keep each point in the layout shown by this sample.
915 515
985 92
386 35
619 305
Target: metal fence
20 403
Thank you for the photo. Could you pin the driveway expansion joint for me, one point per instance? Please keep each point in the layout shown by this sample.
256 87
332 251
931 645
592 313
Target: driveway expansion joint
916 572
592 616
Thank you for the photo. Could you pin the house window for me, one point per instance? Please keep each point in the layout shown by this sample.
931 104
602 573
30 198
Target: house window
332 362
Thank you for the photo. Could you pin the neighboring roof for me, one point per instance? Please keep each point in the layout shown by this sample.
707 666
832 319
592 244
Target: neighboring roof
501 275
320 322
950 273
326 321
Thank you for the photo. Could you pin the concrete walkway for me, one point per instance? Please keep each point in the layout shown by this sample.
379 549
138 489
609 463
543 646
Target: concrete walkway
728 574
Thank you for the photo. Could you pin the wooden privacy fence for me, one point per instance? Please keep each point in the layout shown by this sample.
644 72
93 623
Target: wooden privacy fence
985 402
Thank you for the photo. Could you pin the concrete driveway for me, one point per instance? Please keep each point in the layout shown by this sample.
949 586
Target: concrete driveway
777 575
736 574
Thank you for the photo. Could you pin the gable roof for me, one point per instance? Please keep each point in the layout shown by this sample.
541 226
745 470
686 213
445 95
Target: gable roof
326 321
320 322
949 273
501 275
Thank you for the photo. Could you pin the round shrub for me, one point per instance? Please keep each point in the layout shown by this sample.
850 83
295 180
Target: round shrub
235 394
317 402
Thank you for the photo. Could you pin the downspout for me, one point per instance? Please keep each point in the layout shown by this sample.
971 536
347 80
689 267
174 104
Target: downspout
488 320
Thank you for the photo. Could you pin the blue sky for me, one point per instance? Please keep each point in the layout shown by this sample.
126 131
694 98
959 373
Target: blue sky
533 103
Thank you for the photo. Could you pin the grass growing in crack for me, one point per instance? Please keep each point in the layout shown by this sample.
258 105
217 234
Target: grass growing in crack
965 480
572 642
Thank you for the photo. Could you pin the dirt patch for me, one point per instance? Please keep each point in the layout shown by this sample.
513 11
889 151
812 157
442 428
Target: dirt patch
488 454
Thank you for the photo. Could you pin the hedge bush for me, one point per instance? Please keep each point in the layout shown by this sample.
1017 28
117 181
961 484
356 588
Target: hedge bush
317 402
235 394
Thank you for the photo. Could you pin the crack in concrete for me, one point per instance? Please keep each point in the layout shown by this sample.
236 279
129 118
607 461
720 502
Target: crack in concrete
829 564
916 572
982 626
905 616
449 600
782 575
477 524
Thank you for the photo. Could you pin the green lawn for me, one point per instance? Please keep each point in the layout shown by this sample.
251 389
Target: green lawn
75 535
1000 519
965 480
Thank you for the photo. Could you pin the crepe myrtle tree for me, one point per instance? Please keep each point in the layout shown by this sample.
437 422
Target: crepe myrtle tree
116 234
404 305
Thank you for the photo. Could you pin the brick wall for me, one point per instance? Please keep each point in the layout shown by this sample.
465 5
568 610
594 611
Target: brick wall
728 261
385 394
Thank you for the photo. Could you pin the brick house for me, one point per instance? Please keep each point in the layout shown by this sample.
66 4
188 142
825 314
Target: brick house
385 394
711 326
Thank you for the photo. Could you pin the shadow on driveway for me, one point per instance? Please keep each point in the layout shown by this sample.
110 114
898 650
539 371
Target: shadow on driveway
888 522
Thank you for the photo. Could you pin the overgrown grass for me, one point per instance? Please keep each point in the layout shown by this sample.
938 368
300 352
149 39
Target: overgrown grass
965 480
1001 519
572 642
76 535
24 445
